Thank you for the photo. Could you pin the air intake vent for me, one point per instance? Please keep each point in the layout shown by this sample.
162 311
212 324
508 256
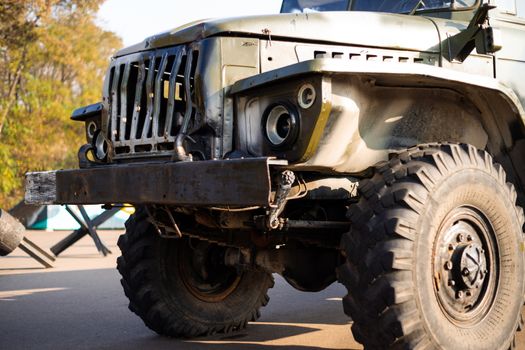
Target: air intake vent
307 52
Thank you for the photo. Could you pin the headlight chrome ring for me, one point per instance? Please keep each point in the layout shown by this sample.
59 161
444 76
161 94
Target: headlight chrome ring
281 125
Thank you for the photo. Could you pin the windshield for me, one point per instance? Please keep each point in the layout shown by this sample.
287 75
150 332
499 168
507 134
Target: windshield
392 6
298 6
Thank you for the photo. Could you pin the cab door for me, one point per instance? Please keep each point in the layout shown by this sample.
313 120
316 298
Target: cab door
509 18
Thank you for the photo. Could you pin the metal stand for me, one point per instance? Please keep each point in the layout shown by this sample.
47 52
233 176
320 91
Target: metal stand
88 226
36 253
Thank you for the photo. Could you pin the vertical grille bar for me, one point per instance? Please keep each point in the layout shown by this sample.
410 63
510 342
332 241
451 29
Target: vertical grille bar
114 101
170 114
188 98
149 97
158 94
124 102
138 98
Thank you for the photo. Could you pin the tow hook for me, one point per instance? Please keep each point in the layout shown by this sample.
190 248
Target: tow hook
284 186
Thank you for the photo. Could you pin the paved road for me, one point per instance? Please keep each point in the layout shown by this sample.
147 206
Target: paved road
79 304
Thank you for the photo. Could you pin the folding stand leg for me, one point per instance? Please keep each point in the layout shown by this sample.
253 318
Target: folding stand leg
36 253
87 226
76 235
93 232
68 241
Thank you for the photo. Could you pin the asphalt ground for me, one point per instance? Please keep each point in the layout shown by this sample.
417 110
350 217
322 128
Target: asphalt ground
79 304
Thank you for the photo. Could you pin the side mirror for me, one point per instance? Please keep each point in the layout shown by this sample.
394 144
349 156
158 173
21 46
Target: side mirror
488 40
479 34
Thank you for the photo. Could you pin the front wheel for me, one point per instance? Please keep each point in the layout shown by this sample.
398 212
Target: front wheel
435 253
182 288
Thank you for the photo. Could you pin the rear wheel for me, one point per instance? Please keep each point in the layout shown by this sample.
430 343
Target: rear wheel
435 254
182 288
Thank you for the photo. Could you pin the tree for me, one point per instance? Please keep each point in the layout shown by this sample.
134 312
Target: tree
53 58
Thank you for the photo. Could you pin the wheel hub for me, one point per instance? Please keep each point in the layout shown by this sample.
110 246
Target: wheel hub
473 265
204 274
462 270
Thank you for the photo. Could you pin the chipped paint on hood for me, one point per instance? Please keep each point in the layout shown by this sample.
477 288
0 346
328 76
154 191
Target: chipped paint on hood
369 29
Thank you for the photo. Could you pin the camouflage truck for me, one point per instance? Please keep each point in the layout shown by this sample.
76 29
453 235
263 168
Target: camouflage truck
375 143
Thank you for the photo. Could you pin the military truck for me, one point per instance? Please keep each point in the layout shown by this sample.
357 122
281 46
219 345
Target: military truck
375 143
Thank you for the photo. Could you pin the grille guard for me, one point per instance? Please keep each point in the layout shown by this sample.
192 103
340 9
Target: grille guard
149 99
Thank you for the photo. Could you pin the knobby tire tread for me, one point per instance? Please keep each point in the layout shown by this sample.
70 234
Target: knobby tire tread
378 248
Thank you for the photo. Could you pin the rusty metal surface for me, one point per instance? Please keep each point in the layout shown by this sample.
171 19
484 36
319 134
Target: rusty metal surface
242 182
172 103
147 97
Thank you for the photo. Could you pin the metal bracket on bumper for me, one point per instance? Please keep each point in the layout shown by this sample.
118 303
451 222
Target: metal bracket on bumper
235 183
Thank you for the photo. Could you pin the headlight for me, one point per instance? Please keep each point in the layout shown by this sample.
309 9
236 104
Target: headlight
281 125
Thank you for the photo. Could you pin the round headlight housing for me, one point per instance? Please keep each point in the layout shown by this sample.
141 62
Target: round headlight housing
306 96
281 125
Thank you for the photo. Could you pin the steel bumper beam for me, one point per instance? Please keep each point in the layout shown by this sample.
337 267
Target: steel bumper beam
234 183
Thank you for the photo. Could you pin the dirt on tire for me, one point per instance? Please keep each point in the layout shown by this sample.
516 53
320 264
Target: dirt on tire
395 299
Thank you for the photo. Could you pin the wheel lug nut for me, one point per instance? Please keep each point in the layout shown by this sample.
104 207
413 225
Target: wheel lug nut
469 294
451 283
469 238
460 237
466 271
448 265
450 247
459 294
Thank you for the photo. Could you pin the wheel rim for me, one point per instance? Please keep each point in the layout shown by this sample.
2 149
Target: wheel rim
465 270
203 272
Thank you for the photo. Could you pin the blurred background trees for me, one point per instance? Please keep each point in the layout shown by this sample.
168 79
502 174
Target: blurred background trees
53 58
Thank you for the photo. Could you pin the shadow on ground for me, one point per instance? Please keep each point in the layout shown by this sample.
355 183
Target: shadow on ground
87 310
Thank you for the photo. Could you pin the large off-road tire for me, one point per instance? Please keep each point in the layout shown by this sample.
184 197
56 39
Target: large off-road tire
181 287
435 253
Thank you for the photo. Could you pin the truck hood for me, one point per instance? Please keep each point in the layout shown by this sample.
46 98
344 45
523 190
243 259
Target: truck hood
368 29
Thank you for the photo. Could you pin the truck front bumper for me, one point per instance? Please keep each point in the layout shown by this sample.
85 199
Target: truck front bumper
235 183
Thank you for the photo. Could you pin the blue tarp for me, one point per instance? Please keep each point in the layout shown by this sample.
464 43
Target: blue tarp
56 217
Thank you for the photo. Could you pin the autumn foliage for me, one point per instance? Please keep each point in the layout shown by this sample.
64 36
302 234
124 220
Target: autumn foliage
53 58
